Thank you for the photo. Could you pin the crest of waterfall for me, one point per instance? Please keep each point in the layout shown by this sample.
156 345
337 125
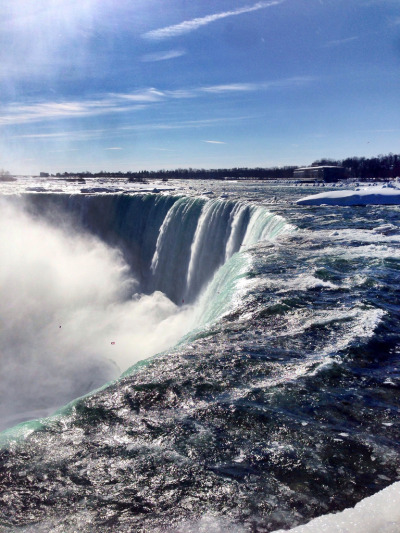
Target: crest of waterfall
262 225
208 247
173 244
197 237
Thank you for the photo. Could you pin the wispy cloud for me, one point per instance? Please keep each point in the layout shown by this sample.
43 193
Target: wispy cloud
214 142
43 111
89 134
264 85
230 87
127 102
77 135
114 148
182 93
201 123
191 25
162 55
339 42
17 113
146 95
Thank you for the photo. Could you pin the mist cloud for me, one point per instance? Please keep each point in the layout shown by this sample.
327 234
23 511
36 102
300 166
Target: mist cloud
64 299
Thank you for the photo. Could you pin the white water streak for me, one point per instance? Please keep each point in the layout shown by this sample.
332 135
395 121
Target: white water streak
208 215
160 239
233 243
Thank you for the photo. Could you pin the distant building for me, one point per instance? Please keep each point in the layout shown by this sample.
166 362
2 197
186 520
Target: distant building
322 173
44 174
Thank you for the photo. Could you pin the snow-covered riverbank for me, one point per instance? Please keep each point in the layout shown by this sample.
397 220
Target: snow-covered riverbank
387 194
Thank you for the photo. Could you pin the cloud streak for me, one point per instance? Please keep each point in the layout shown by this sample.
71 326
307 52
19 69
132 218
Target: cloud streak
191 25
19 114
264 85
339 42
44 111
202 123
78 135
145 96
86 135
230 87
127 102
162 56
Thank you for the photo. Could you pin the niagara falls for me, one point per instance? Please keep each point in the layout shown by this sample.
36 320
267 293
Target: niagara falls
199 266
213 355
133 272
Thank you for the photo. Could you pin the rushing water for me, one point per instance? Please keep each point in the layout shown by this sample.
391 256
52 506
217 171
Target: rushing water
279 401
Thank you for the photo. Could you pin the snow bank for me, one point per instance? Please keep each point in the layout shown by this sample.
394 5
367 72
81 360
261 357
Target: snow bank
379 513
371 195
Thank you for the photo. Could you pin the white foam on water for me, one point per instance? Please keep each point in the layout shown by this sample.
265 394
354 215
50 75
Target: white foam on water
304 282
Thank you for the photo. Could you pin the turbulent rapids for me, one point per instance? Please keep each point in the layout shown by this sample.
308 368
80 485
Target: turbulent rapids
273 395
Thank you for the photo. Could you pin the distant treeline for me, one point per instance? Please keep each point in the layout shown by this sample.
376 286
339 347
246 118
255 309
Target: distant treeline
189 173
360 168
218 174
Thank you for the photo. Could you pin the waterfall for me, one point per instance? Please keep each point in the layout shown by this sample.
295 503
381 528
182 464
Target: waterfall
173 244
208 246
171 257
94 284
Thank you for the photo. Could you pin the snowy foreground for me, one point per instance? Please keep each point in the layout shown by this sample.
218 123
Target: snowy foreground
387 194
379 513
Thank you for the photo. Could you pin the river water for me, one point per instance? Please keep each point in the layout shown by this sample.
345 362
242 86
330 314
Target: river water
274 395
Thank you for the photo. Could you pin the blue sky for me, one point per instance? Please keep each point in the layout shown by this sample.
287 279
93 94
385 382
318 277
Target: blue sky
149 84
